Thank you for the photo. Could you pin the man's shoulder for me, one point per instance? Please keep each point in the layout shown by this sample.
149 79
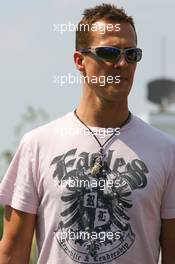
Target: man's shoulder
148 131
48 130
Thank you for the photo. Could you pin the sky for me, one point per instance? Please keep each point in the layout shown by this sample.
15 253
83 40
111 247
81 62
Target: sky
33 54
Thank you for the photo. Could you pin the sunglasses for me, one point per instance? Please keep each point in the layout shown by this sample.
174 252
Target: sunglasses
110 53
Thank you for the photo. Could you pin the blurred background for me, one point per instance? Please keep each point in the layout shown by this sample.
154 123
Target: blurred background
34 53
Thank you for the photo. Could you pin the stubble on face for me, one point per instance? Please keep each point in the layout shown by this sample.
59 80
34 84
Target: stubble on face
124 38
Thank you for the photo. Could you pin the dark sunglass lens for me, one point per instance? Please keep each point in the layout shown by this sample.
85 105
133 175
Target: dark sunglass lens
133 55
107 53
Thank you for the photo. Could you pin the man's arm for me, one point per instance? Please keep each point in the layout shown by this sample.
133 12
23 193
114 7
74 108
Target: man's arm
167 241
15 245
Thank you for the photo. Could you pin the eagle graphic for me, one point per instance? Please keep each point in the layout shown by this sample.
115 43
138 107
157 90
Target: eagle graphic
89 207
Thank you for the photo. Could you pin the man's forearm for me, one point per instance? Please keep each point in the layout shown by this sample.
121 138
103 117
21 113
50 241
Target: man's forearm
168 258
4 256
5 259
9 256
166 261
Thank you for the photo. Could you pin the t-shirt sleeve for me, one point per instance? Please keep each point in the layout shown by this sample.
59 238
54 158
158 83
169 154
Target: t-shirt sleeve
19 186
168 199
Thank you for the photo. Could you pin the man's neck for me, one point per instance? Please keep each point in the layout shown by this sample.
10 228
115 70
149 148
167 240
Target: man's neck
98 114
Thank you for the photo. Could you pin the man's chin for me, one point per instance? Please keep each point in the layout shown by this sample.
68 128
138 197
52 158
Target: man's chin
116 93
121 87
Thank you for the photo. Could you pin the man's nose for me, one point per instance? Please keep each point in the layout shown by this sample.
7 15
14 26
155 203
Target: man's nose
121 62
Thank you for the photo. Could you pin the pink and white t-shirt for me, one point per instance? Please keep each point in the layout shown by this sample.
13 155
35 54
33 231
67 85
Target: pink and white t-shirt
114 219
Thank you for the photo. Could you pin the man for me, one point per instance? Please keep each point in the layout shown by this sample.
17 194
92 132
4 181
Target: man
94 199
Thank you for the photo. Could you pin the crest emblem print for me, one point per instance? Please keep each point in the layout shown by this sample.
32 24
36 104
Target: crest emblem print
92 209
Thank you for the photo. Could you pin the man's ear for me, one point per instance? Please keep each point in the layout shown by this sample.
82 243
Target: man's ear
79 62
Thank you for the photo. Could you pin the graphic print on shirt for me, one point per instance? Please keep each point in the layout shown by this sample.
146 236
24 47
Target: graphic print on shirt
94 224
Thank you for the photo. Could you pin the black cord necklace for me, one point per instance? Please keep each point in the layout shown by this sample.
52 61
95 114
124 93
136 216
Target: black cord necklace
98 161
